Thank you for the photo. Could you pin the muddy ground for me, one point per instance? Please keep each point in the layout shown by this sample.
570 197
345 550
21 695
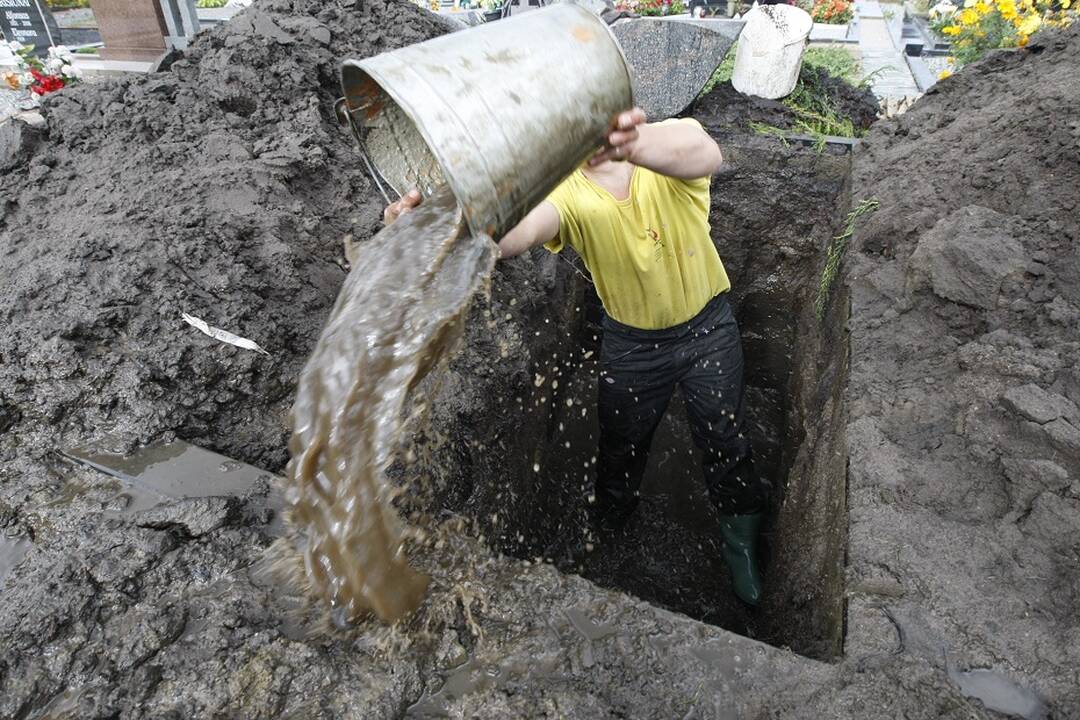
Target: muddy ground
223 188
965 433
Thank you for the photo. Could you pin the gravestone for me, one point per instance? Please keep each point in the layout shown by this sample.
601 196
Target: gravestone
30 23
130 29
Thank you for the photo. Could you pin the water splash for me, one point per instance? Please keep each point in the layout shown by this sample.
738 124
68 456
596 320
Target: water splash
400 311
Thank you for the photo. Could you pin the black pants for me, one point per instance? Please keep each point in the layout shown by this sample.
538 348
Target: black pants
639 370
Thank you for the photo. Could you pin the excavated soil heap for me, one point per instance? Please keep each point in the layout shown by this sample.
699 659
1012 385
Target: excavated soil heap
965 382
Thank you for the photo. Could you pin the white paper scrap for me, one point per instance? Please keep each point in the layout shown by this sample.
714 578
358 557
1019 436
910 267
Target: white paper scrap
223 335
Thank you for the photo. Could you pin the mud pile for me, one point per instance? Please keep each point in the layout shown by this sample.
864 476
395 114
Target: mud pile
222 188
965 382
732 111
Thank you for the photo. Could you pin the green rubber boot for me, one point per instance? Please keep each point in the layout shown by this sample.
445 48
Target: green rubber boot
740 553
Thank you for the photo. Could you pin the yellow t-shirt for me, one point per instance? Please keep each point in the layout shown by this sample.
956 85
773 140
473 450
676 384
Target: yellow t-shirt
651 256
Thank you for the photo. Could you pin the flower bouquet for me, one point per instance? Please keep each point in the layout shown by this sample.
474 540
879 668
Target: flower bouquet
38 76
979 26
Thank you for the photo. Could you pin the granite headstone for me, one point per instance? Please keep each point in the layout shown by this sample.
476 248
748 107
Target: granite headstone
30 23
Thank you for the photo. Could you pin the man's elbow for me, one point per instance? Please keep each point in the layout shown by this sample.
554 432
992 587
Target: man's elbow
715 157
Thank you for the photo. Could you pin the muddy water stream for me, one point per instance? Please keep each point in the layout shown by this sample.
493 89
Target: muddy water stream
400 310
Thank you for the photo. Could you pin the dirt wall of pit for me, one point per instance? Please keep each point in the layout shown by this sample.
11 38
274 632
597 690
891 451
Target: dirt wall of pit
964 431
776 216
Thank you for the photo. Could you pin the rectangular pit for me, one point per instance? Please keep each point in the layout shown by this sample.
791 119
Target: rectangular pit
520 463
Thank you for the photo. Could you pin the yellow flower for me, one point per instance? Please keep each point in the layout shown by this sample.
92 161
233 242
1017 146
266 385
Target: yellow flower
1022 41
982 8
1007 10
969 17
1029 24
951 29
12 80
1065 4
944 74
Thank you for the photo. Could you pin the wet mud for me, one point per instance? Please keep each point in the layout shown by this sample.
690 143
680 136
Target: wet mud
399 313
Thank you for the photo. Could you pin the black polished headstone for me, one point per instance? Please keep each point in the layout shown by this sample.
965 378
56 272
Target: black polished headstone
30 23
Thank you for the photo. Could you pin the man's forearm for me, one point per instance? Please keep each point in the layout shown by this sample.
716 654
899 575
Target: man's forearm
536 228
677 150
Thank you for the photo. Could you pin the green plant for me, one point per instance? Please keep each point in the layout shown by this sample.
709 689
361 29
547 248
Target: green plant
653 7
770 131
836 61
211 3
815 113
67 4
836 254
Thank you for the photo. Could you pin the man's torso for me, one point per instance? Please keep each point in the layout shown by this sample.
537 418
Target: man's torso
651 256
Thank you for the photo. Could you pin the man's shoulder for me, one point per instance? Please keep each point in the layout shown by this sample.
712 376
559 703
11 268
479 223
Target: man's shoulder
563 194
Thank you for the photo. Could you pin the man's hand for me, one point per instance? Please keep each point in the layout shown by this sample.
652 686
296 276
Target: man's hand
677 149
623 138
395 210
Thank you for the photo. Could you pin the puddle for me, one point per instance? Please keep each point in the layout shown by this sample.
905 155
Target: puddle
163 472
586 627
999 693
471 677
12 552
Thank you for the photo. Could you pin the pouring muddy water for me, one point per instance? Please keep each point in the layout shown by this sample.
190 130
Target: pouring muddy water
485 122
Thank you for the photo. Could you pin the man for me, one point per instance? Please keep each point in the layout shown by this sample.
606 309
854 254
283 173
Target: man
638 215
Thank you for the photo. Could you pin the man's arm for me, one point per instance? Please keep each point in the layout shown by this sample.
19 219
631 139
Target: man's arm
679 150
536 228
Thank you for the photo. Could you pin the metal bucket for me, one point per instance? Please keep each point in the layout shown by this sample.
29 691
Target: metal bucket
500 112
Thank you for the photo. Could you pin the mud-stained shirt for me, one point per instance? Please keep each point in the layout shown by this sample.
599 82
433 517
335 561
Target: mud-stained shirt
650 255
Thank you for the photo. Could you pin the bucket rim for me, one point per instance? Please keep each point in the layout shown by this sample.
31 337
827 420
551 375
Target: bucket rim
790 10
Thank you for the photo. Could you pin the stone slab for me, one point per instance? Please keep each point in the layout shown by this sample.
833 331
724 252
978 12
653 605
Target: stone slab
130 29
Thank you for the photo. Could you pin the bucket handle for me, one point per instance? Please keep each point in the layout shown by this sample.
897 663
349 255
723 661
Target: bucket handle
345 117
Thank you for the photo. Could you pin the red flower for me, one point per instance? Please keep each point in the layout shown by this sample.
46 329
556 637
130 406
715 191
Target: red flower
44 84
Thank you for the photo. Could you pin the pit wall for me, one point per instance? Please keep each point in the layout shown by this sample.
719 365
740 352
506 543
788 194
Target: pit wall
509 448
773 219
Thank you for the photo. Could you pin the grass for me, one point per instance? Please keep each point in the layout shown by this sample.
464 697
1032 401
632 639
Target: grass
770 131
836 61
814 111
836 254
